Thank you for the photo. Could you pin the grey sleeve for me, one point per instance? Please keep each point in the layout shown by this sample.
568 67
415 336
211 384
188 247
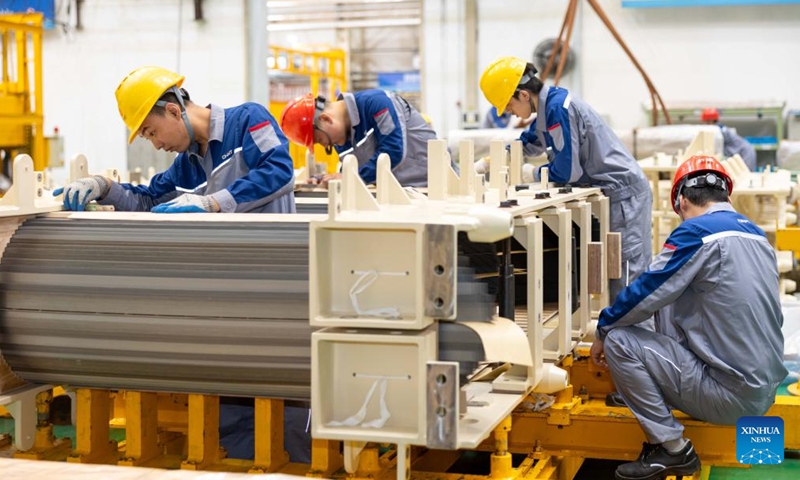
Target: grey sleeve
126 200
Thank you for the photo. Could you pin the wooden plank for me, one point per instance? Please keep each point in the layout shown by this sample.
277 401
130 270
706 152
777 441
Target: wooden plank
596 268
614 243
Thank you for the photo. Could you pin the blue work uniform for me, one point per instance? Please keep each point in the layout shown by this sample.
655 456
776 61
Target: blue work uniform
493 120
733 144
718 272
383 122
246 168
584 150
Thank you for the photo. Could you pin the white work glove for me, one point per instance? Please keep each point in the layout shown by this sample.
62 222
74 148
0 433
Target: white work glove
77 194
527 172
482 166
188 203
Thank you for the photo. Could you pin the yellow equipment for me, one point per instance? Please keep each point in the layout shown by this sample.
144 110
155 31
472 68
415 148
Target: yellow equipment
321 73
21 103
138 93
500 80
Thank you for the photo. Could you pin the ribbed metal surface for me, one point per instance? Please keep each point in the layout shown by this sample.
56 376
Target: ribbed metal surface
200 307
312 207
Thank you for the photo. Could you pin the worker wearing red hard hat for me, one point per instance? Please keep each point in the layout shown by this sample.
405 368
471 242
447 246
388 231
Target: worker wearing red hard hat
364 124
724 358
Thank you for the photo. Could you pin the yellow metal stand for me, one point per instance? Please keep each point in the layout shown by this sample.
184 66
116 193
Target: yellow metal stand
794 389
269 453
369 464
141 428
91 431
788 238
501 459
44 446
326 75
590 429
21 87
326 458
203 438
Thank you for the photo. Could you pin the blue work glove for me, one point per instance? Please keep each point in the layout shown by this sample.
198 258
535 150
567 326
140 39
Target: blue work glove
188 203
77 194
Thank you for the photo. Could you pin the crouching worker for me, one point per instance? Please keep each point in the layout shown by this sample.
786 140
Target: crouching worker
719 273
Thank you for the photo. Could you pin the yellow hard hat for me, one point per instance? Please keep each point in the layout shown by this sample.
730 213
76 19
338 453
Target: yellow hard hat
139 91
500 80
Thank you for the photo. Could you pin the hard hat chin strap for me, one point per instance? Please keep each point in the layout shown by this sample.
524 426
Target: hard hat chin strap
329 146
527 77
184 116
319 107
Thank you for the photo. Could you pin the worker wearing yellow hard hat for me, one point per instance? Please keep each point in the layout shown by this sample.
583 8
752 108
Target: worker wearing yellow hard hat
721 360
228 159
582 150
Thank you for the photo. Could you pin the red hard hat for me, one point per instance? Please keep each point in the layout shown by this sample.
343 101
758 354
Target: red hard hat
694 165
297 121
709 114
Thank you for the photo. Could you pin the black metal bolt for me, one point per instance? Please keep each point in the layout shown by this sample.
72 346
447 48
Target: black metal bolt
542 195
566 189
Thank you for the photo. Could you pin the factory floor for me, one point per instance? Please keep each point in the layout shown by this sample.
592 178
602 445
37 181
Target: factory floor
477 463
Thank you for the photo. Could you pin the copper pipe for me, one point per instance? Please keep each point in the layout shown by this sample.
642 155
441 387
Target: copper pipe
557 44
571 13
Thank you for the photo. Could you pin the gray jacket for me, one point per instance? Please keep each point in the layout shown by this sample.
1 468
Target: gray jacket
719 273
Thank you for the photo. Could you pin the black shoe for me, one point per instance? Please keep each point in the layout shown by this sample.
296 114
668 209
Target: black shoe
655 462
614 399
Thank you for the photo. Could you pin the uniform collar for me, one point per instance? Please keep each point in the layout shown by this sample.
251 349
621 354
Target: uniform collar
720 207
352 112
216 129
541 117
216 126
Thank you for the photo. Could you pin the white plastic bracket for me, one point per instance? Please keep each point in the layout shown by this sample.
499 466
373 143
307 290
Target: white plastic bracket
78 167
355 195
352 450
27 195
466 156
390 192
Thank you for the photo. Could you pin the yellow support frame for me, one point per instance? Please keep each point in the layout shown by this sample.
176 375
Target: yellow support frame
788 238
19 35
329 65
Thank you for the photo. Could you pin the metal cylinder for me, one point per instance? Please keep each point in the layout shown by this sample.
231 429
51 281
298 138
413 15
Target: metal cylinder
182 306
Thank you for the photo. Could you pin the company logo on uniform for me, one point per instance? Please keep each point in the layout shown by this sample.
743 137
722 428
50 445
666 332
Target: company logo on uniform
227 154
759 440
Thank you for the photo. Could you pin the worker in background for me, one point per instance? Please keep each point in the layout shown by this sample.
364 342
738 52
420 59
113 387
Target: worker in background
718 272
229 160
495 120
504 120
581 149
364 124
732 143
